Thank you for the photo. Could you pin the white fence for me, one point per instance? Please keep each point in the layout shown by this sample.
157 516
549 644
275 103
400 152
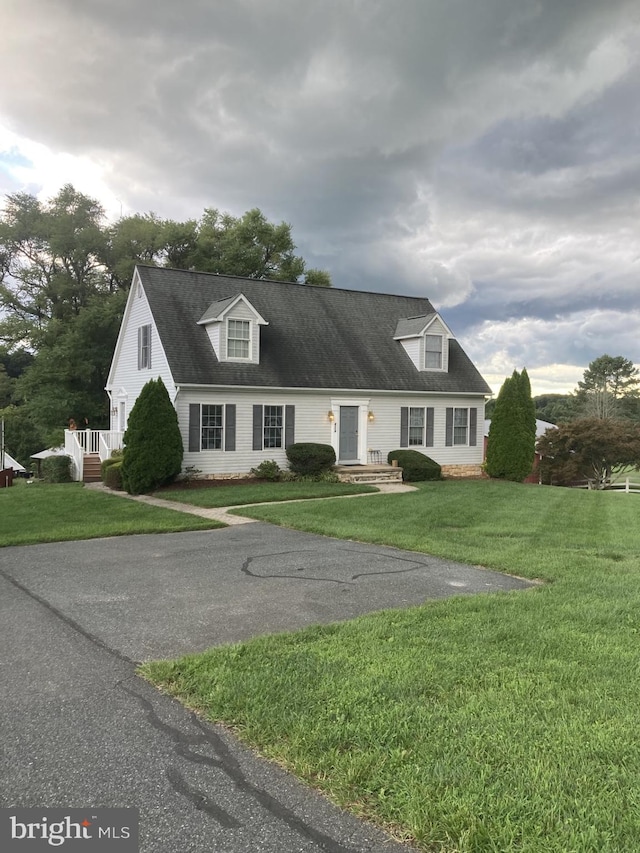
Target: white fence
626 488
79 442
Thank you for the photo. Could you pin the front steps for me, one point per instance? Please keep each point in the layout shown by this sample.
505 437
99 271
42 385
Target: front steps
91 468
370 474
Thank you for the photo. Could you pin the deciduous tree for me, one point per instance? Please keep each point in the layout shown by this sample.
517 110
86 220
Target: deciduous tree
588 449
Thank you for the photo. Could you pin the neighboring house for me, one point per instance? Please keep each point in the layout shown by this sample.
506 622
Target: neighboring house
253 366
541 428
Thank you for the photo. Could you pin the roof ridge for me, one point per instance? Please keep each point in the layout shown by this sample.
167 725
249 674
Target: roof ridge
331 289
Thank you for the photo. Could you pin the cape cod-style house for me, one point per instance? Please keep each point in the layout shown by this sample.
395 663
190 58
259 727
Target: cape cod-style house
253 366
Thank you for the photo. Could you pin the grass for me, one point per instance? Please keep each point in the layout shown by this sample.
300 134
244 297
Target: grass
35 512
485 723
261 493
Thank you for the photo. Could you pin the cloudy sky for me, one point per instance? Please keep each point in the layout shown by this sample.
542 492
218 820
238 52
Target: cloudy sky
483 153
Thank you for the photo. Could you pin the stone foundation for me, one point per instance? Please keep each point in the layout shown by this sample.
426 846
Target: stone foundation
458 471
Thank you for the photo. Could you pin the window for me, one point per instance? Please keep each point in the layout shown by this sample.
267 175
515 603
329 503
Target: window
416 427
238 339
272 426
212 427
144 347
460 426
433 352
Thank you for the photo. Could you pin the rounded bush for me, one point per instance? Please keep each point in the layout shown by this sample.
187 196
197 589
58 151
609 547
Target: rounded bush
415 465
56 469
310 458
107 463
113 475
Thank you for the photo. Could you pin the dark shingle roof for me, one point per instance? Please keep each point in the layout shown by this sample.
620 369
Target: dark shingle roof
317 337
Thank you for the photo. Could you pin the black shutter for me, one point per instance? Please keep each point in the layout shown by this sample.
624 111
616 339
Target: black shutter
139 347
449 428
149 347
289 425
429 426
194 427
404 426
230 426
257 427
473 427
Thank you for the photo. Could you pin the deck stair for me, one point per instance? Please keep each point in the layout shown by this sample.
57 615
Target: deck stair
91 468
370 474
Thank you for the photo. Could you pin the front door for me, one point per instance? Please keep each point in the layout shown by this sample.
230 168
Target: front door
348 449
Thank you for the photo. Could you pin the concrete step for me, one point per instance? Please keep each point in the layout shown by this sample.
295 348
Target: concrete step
370 474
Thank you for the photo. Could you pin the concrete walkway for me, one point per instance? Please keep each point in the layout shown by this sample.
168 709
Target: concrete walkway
222 513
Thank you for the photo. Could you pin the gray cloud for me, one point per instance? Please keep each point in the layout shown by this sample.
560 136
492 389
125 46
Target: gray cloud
482 153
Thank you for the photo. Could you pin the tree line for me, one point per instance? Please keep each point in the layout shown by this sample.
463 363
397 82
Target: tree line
65 272
597 428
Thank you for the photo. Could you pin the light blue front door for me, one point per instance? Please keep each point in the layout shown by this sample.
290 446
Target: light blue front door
348 450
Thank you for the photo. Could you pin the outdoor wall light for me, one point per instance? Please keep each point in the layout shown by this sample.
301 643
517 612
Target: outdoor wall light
371 416
331 416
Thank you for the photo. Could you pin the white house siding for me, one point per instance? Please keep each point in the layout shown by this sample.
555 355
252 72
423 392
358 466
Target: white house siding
413 350
312 423
213 330
384 430
126 381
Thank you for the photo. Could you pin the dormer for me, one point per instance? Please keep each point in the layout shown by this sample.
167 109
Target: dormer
426 341
233 327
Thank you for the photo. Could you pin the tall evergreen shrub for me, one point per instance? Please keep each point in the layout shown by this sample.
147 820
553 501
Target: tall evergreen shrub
512 435
153 445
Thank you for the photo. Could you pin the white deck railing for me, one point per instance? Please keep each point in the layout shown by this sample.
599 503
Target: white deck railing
77 442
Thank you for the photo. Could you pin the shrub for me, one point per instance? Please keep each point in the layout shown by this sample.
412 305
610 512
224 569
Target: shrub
153 444
56 469
116 456
415 466
310 458
267 470
113 475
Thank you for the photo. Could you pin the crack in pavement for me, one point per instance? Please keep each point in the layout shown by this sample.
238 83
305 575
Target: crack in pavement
183 743
415 564
230 766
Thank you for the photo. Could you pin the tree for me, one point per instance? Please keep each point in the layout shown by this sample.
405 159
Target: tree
64 276
609 388
555 408
153 444
511 444
67 377
50 261
588 449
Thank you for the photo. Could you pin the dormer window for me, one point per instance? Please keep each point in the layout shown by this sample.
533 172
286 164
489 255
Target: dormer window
233 326
433 352
238 338
425 340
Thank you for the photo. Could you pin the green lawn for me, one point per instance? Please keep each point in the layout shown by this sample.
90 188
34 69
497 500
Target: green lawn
36 512
494 723
261 492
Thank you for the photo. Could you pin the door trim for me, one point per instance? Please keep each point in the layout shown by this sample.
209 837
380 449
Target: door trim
362 404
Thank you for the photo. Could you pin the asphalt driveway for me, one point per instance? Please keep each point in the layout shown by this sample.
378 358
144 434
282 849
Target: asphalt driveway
79 729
